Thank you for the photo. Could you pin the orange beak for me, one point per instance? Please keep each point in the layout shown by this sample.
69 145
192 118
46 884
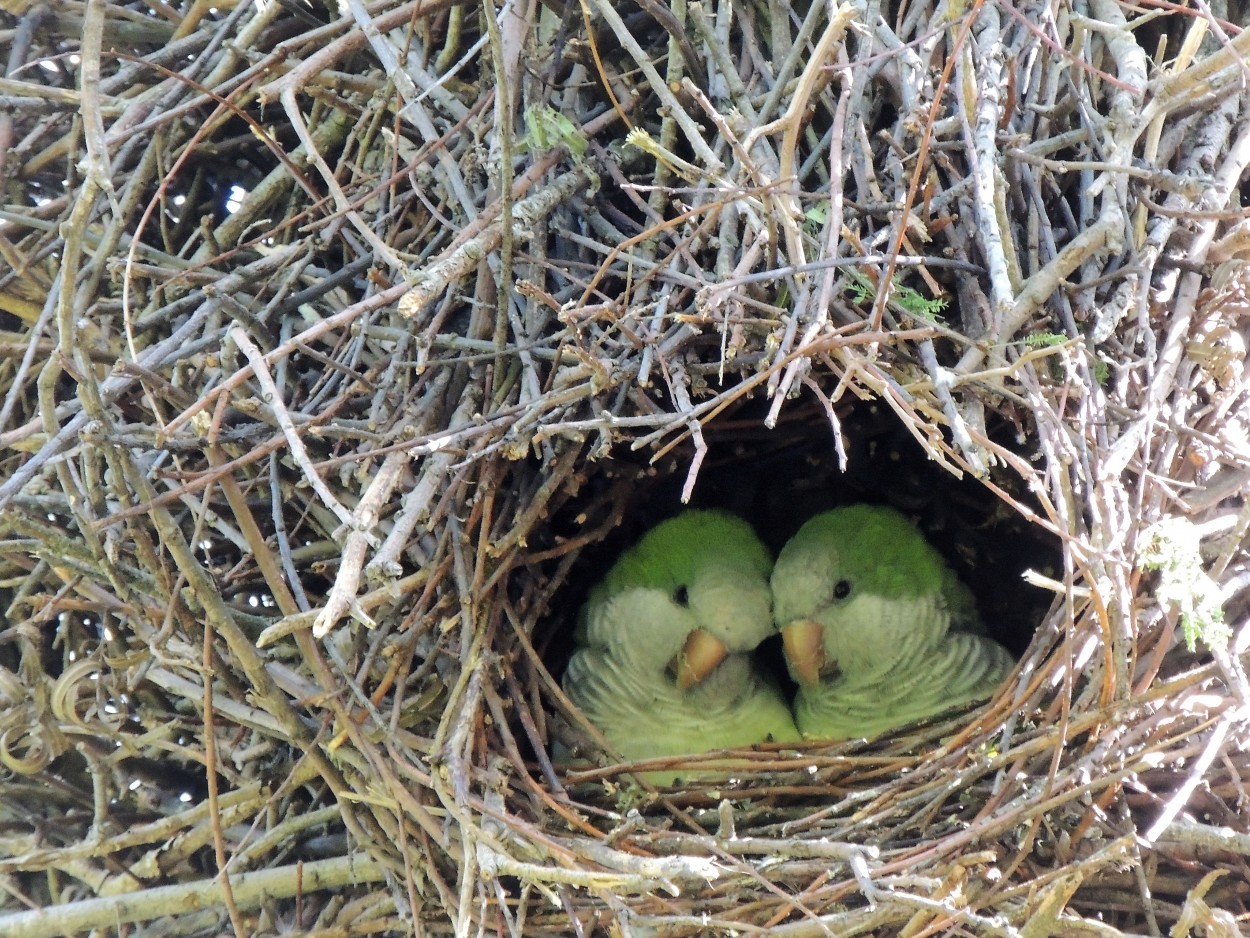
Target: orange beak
699 657
804 644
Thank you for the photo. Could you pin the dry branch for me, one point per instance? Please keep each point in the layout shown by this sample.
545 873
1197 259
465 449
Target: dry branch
302 330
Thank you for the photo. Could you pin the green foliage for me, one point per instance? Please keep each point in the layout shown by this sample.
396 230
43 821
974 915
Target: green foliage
1101 370
863 291
1044 339
546 129
814 218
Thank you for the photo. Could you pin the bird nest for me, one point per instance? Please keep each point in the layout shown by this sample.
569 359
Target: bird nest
344 348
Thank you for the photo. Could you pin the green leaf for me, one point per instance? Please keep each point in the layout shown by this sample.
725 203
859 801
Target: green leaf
546 129
917 304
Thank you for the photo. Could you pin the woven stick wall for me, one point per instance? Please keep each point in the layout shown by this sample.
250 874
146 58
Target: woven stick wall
337 343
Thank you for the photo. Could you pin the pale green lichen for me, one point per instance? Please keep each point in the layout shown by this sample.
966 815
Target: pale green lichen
1172 546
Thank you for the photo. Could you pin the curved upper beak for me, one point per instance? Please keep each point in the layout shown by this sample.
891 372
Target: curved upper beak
804 645
699 657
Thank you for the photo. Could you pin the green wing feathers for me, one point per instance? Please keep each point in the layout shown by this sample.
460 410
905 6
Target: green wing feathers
964 669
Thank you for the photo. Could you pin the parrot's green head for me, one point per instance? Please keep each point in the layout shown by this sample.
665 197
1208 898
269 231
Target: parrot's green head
707 575
853 587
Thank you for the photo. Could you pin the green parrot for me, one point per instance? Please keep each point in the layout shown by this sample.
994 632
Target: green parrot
663 665
877 630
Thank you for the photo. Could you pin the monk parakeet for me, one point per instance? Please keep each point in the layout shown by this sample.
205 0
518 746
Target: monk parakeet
877 630
664 663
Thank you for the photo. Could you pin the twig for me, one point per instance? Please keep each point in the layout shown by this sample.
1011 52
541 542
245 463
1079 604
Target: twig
250 889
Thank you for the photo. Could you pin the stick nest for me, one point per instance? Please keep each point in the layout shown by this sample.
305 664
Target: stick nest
337 343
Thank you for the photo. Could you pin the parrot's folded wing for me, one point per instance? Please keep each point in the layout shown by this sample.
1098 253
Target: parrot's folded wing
966 668
643 713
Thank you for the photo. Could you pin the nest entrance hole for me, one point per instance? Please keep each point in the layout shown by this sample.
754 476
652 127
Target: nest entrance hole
778 478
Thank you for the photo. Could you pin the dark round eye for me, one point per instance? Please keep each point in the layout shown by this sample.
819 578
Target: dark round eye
681 596
842 589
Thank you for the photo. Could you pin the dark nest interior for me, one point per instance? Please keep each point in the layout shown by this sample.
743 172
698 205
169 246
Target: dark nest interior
343 347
